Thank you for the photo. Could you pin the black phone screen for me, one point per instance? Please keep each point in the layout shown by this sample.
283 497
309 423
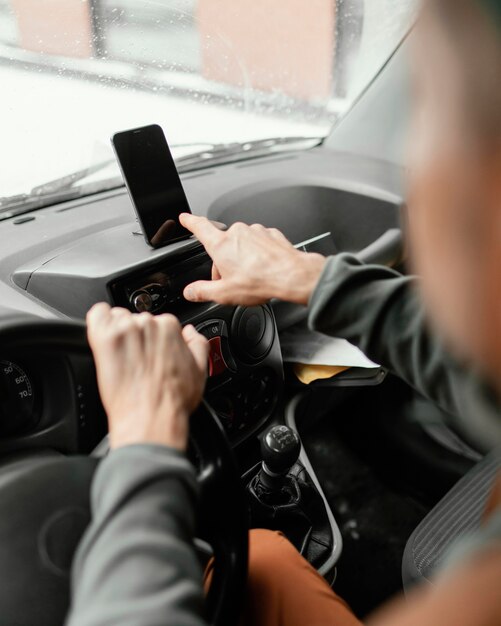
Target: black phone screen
153 183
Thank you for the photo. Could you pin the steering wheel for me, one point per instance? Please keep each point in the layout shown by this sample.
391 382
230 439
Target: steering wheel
44 505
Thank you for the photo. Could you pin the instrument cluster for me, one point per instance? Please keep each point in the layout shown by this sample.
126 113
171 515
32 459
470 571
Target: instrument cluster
18 399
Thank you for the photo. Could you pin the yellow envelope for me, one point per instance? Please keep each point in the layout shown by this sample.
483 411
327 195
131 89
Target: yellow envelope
309 373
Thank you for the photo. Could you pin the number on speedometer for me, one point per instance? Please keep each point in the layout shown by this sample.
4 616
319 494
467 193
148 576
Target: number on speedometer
16 399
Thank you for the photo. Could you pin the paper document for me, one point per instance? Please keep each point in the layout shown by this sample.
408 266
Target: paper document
300 345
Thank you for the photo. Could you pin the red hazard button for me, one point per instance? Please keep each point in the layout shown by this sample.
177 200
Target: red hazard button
217 364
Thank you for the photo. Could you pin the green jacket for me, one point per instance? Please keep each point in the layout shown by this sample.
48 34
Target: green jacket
380 311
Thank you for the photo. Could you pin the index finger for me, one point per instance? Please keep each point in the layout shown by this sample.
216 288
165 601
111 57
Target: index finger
203 229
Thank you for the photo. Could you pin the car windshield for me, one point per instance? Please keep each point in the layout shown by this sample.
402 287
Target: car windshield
210 72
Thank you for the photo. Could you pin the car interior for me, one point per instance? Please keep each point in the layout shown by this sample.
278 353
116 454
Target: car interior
363 458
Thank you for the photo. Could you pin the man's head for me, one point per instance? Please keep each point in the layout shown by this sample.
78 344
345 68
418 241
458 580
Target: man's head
455 180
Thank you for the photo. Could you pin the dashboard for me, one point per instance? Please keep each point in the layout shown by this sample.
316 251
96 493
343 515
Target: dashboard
67 257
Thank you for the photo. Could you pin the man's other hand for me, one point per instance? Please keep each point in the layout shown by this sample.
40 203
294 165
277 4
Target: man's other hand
252 264
151 374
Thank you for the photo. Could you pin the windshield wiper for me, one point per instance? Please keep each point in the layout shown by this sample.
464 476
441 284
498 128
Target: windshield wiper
230 152
53 191
63 188
67 181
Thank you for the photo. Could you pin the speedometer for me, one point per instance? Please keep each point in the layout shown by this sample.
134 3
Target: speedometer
17 400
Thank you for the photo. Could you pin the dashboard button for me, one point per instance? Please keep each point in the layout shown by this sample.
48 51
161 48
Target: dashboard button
157 294
212 328
142 301
217 364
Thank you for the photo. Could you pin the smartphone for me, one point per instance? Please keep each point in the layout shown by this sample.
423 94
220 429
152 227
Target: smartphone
153 183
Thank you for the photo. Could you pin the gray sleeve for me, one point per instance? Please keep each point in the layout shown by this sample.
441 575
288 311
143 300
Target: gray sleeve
379 310
136 565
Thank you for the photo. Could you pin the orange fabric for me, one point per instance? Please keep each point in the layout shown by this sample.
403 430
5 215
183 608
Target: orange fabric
494 501
285 590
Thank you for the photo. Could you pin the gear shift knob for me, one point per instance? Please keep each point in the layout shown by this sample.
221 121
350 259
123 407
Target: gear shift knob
280 448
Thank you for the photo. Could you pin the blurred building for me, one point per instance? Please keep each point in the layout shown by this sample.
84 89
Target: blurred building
291 46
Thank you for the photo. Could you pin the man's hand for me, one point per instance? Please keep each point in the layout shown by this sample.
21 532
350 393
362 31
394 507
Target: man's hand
251 265
151 374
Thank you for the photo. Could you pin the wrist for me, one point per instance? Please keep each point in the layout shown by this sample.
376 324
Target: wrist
302 277
164 428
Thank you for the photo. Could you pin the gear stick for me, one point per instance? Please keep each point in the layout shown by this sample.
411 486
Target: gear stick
283 497
280 448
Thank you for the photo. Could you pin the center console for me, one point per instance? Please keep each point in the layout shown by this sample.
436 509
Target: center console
245 365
